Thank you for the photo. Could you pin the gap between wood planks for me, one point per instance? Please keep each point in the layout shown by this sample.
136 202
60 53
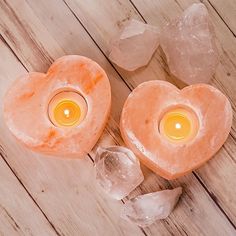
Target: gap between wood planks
211 195
221 18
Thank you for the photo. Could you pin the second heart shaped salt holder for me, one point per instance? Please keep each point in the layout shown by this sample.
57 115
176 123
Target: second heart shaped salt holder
175 131
63 112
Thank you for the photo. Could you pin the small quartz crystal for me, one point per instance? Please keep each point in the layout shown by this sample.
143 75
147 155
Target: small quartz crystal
189 45
135 45
144 210
117 171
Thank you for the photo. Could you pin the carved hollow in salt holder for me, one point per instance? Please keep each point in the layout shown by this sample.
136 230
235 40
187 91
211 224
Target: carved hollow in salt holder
175 131
60 113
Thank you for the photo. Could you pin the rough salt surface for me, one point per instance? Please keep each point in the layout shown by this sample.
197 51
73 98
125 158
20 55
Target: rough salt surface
144 210
135 45
189 45
117 171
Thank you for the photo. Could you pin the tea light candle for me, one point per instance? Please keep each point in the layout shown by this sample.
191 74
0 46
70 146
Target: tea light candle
179 125
67 109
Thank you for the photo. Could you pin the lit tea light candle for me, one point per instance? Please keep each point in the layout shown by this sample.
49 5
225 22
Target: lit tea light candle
179 125
67 109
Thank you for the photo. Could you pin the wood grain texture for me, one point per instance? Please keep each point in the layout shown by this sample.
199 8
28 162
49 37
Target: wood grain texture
34 33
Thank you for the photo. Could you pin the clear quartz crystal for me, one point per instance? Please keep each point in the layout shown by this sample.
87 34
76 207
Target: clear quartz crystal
117 171
135 45
144 210
189 45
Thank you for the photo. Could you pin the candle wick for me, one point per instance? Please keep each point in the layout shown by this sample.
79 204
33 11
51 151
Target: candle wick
177 125
67 113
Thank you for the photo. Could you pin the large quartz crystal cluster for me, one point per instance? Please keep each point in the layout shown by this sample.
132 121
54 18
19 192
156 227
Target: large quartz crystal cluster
188 43
146 209
117 171
135 45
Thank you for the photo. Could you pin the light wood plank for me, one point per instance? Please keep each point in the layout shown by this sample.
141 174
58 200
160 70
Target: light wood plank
17 208
203 196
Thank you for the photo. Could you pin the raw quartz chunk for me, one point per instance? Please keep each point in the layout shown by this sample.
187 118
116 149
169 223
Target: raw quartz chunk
144 210
135 45
189 45
117 171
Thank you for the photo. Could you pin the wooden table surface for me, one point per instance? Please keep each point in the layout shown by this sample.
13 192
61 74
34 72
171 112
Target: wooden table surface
47 196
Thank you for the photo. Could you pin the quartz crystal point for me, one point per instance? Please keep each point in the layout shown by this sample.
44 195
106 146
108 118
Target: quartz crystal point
117 171
135 45
189 45
144 210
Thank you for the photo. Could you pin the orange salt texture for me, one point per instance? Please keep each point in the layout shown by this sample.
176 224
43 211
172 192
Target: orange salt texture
26 107
144 110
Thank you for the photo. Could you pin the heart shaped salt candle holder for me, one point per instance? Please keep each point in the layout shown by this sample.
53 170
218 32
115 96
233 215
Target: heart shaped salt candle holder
175 131
63 112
